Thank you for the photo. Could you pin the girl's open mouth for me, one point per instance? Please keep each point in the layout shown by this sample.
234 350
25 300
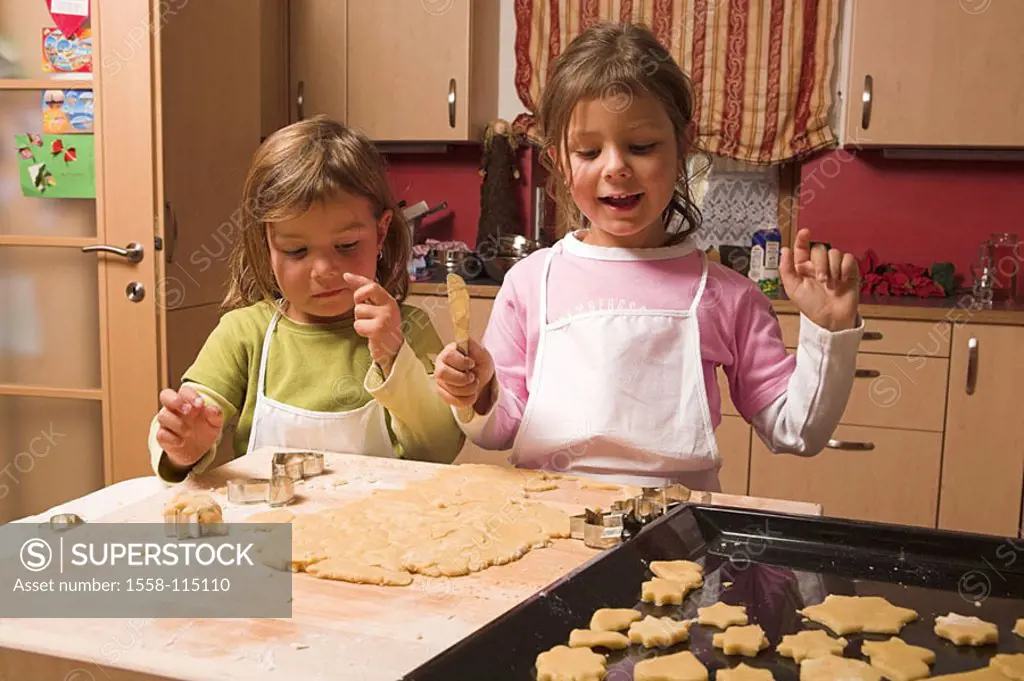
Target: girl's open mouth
621 201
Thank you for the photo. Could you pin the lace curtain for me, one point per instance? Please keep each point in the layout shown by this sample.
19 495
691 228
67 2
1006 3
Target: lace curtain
761 68
735 199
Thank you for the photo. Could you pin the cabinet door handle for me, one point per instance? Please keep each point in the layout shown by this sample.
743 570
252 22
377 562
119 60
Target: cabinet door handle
171 225
972 365
451 103
872 335
867 373
300 99
866 101
851 446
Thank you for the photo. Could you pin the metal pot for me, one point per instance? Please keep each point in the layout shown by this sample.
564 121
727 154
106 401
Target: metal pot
499 254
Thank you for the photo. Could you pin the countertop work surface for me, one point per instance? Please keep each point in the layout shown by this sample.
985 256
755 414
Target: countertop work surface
337 630
954 309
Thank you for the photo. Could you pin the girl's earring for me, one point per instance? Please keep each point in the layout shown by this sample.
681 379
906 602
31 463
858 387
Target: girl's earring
380 254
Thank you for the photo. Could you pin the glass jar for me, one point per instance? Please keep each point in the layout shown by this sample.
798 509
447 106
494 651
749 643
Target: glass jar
1005 254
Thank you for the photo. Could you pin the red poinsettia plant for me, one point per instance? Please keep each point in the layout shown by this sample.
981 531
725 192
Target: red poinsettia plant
888 279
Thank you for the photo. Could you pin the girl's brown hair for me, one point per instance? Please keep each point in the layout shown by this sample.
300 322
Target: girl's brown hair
616 63
296 166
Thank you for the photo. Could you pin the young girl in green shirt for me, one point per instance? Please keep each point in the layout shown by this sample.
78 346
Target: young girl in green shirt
315 350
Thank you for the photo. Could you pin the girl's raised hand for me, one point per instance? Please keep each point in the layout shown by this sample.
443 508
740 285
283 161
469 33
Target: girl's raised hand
378 319
823 284
188 426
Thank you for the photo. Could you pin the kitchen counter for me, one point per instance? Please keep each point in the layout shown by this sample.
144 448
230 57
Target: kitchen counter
337 630
953 309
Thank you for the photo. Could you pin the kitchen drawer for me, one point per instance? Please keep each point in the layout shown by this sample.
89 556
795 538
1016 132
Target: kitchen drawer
894 391
887 336
877 474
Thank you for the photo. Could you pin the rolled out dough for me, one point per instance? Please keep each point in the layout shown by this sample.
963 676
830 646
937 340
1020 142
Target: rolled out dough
855 614
464 519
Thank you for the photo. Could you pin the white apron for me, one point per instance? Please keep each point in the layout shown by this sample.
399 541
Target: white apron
279 425
619 395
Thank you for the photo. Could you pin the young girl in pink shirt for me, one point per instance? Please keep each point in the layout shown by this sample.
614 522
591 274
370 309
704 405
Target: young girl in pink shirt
600 355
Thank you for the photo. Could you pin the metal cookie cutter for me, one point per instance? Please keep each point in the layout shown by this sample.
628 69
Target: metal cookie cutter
277 491
298 465
598 529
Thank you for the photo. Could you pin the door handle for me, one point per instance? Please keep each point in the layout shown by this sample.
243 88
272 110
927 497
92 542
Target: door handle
133 252
972 365
872 335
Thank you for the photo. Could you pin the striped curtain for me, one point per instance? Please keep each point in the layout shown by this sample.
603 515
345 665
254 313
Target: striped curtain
761 69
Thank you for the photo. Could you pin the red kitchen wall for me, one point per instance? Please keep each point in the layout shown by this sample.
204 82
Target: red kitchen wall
454 176
910 211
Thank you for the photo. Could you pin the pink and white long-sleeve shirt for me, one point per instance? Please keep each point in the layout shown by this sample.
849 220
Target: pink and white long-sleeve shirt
793 401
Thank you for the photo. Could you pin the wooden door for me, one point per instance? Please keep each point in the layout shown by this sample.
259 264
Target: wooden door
406 61
938 72
983 458
78 359
318 44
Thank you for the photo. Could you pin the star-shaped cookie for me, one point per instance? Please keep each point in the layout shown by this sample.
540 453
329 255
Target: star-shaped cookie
742 672
686 573
659 631
966 631
855 614
613 619
810 643
661 592
682 666
722 616
586 638
748 640
898 660
563 663
833 667
1012 666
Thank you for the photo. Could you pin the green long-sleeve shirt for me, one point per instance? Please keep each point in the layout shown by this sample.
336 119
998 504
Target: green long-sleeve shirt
321 367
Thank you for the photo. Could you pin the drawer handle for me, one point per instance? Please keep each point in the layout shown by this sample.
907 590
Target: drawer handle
972 365
867 373
851 446
872 335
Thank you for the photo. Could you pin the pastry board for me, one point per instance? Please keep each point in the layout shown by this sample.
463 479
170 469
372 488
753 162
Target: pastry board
337 630
774 564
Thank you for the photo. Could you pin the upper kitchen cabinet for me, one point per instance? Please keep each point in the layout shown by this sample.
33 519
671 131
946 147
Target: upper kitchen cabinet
934 73
422 71
318 33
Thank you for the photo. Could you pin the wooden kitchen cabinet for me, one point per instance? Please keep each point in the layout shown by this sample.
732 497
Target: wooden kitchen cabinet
943 73
317 64
983 458
422 71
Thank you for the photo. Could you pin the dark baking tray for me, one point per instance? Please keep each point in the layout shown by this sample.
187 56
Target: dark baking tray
777 563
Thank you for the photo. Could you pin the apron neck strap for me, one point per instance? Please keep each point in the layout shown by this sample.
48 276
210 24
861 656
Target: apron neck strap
694 306
261 384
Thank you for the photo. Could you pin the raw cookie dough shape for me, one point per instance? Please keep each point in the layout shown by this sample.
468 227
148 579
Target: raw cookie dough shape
613 619
687 574
587 638
659 631
743 672
682 666
833 668
1018 628
810 643
1010 665
856 614
661 592
897 660
744 640
563 663
966 631
723 616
